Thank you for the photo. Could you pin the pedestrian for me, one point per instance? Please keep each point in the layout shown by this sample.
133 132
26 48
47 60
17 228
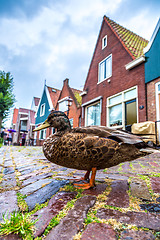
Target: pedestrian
23 139
9 138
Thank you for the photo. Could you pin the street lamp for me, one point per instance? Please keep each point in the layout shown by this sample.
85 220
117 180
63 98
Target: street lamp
68 103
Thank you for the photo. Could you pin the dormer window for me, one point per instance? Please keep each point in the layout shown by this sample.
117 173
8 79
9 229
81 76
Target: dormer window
104 42
42 110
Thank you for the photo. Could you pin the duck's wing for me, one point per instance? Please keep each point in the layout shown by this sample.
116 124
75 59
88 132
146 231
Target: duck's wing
114 134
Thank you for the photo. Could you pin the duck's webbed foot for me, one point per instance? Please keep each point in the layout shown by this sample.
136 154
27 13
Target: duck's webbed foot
82 179
91 183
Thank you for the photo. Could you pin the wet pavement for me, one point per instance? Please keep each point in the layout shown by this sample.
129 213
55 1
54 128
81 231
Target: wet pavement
125 204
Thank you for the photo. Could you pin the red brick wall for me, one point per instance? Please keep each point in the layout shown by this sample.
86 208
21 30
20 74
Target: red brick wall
151 100
121 79
74 111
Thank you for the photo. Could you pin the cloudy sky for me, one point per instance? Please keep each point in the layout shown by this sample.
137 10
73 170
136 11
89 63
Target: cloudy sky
55 39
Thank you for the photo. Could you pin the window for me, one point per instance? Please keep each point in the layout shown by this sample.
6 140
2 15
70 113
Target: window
42 134
71 122
93 114
122 109
42 110
104 42
63 106
105 68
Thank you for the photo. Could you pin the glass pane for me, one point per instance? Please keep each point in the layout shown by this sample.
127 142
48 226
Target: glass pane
131 113
93 115
63 106
101 71
130 94
108 69
158 87
115 99
115 115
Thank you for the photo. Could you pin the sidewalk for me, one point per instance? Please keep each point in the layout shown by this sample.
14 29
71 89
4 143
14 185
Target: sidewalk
124 205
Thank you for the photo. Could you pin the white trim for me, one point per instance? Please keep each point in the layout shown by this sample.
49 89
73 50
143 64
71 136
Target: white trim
49 98
23 113
91 101
135 62
23 118
63 99
42 112
83 93
92 104
157 101
147 48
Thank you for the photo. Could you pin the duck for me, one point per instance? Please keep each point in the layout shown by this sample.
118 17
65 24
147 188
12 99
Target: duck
88 148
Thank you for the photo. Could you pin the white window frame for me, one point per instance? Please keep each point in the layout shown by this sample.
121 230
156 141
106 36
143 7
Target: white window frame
99 72
100 101
123 101
42 110
103 41
44 134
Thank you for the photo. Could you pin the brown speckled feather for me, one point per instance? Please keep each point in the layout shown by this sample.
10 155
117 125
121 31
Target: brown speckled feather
85 148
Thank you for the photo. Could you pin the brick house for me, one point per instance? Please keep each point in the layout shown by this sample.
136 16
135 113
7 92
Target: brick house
23 120
152 76
114 90
47 103
70 96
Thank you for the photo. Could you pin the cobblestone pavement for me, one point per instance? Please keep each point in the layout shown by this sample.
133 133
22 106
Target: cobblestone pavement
125 204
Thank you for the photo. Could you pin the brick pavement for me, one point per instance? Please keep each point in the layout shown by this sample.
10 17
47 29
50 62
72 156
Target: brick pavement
125 204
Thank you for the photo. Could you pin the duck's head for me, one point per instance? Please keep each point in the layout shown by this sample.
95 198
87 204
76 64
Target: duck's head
56 119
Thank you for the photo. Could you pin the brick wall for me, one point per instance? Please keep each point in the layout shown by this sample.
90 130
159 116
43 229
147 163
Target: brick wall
121 79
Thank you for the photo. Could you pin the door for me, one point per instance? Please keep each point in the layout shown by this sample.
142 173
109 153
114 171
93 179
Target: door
130 114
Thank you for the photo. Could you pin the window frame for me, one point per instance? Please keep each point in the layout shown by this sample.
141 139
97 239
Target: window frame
103 39
123 101
42 110
99 72
86 111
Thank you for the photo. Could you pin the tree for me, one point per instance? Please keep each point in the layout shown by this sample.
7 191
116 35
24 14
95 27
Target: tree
7 97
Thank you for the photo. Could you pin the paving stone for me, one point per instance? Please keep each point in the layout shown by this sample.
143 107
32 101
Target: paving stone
73 221
8 202
155 181
136 235
36 178
32 174
98 189
118 196
154 164
140 219
45 193
99 231
34 186
8 170
158 199
151 207
9 181
126 166
11 237
116 177
8 163
45 215
139 189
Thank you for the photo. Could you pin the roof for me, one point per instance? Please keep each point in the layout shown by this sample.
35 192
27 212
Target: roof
78 98
133 43
54 95
15 115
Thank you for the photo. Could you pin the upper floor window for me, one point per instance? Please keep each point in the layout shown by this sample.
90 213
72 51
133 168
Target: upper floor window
42 110
105 68
104 42
63 106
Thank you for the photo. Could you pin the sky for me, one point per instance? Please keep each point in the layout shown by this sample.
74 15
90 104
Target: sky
55 39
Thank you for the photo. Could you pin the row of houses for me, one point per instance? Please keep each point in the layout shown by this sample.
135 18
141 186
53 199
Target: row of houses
122 86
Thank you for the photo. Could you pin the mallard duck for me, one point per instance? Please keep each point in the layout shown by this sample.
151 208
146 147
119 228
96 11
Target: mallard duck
87 148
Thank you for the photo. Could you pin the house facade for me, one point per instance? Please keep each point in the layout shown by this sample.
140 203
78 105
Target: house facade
23 121
152 76
114 91
70 102
47 103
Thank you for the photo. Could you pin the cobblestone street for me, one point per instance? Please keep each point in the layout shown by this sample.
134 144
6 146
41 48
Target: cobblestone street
125 204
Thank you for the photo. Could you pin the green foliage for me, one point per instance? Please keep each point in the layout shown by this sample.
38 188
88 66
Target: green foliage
1 141
21 202
7 97
18 223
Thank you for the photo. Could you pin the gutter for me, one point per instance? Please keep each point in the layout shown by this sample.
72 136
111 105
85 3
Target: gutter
135 62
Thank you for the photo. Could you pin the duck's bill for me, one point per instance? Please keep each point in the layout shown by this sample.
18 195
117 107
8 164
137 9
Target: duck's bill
42 126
